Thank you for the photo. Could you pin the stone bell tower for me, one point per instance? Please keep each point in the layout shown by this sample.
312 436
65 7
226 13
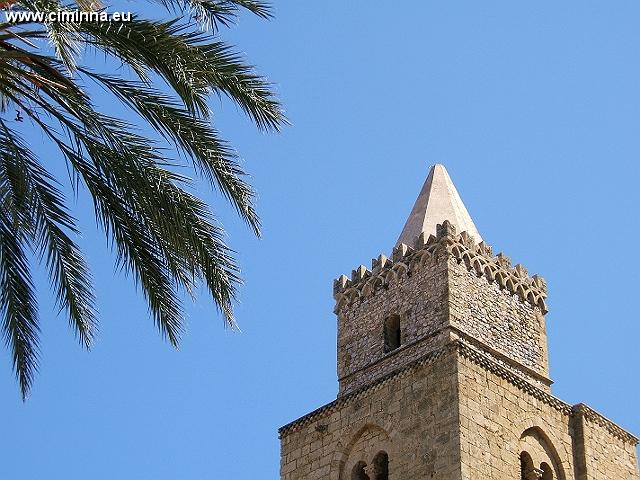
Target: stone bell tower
443 370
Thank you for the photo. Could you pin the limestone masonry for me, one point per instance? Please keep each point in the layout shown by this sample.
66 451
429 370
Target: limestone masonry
443 370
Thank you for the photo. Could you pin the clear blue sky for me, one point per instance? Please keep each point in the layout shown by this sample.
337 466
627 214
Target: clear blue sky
534 107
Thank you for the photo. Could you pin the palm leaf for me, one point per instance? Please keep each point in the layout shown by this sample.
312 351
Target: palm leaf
165 237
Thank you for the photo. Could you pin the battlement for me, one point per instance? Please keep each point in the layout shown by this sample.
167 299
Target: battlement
476 257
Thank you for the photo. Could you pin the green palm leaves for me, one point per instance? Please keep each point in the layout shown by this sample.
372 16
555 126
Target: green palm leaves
164 236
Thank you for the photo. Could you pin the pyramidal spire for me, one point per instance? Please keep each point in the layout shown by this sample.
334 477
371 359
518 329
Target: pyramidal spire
438 201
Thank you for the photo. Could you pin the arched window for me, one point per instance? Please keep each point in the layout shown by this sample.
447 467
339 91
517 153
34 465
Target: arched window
381 466
527 470
358 472
539 458
547 472
391 333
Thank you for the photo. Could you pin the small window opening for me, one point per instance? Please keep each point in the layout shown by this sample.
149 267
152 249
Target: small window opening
358 472
381 466
391 333
547 473
527 470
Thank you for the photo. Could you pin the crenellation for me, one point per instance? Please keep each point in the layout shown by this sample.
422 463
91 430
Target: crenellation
341 283
477 257
380 263
359 274
401 251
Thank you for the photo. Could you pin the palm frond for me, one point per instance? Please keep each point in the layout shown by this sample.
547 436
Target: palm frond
18 304
193 67
211 155
215 13
166 238
68 271
122 172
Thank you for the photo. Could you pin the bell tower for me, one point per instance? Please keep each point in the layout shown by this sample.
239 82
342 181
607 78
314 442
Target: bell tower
443 369
441 283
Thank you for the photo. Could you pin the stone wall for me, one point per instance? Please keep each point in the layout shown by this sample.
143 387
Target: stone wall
418 296
446 280
502 416
412 416
456 414
498 421
497 318
602 450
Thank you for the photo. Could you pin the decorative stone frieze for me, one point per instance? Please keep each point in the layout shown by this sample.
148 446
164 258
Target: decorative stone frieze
487 361
592 416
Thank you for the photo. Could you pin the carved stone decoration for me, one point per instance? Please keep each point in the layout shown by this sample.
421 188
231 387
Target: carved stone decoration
461 247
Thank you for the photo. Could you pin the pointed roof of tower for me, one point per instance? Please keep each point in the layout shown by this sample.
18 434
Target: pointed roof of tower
438 201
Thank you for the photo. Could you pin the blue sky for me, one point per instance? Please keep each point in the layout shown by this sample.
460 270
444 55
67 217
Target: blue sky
534 109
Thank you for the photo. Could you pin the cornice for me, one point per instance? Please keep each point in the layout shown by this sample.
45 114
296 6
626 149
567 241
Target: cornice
486 361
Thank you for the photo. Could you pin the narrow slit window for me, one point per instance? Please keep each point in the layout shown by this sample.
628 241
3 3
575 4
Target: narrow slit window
392 333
